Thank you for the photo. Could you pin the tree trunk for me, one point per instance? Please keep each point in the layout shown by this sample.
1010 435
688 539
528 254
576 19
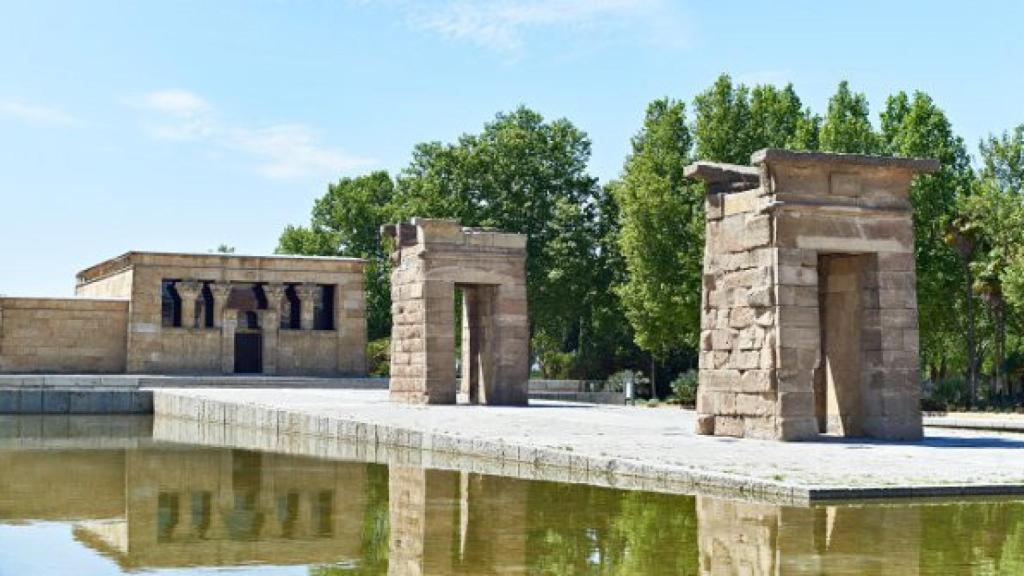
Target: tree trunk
654 369
972 345
1000 318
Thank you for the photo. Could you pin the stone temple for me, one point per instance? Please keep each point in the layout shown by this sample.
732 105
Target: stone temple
196 314
434 260
809 310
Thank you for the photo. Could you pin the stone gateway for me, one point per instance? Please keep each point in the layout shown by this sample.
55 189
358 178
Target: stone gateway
433 261
809 310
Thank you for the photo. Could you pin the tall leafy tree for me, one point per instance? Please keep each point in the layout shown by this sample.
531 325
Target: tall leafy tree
732 121
915 126
722 124
847 124
1003 160
346 222
520 174
775 115
661 230
997 212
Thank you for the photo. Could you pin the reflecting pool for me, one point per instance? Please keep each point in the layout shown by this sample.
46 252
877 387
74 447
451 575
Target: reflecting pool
86 496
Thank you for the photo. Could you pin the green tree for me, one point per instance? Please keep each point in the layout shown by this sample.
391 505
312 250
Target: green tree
775 116
732 122
1003 160
915 126
722 126
847 125
807 132
520 174
661 230
346 222
998 269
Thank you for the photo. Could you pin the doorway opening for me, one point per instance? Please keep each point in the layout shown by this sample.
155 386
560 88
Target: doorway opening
476 353
838 387
248 344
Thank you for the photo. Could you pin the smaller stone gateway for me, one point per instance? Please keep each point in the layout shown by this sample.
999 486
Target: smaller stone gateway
809 310
433 259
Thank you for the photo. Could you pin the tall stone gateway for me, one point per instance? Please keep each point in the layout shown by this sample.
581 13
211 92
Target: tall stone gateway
809 311
433 261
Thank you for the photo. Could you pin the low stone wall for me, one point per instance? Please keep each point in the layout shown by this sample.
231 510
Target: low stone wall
62 335
585 391
133 394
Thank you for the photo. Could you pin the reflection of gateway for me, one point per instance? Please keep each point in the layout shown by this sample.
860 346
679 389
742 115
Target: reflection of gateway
155 506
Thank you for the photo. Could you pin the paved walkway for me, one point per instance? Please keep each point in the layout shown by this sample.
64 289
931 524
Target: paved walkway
624 442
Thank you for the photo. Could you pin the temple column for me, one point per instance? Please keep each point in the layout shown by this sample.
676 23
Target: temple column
221 292
306 294
188 292
270 323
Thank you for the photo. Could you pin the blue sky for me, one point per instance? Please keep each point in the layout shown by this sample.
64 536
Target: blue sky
182 125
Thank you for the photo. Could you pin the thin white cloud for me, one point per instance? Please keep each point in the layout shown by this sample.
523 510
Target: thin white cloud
180 103
281 151
291 151
35 114
502 25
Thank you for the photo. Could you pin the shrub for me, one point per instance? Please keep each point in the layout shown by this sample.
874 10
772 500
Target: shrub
684 388
557 365
945 395
378 356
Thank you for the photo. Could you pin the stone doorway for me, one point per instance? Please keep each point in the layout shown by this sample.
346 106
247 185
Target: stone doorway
433 258
838 389
248 344
477 357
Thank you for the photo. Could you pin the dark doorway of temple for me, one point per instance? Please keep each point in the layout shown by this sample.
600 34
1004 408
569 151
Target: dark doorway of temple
248 345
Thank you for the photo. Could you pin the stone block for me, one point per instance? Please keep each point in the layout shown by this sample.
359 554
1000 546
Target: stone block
798 276
744 359
719 379
761 296
741 317
729 426
705 424
750 404
756 381
803 296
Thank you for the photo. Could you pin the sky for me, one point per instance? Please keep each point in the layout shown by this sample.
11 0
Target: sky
182 125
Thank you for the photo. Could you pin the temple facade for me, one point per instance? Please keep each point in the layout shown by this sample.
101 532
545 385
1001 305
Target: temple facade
164 313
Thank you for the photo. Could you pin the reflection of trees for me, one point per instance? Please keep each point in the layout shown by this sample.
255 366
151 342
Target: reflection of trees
590 530
375 530
657 534
979 537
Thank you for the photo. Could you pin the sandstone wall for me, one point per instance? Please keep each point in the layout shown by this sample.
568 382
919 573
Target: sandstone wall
54 335
115 285
157 349
192 350
307 353
737 358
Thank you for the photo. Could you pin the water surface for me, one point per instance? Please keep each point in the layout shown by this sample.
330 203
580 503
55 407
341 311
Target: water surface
83 495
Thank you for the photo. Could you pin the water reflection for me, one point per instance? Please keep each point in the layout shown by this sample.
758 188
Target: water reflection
161 506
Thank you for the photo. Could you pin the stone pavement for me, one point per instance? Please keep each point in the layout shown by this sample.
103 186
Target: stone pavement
614 445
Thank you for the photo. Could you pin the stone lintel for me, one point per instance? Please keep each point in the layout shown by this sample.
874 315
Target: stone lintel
779 156
721 177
